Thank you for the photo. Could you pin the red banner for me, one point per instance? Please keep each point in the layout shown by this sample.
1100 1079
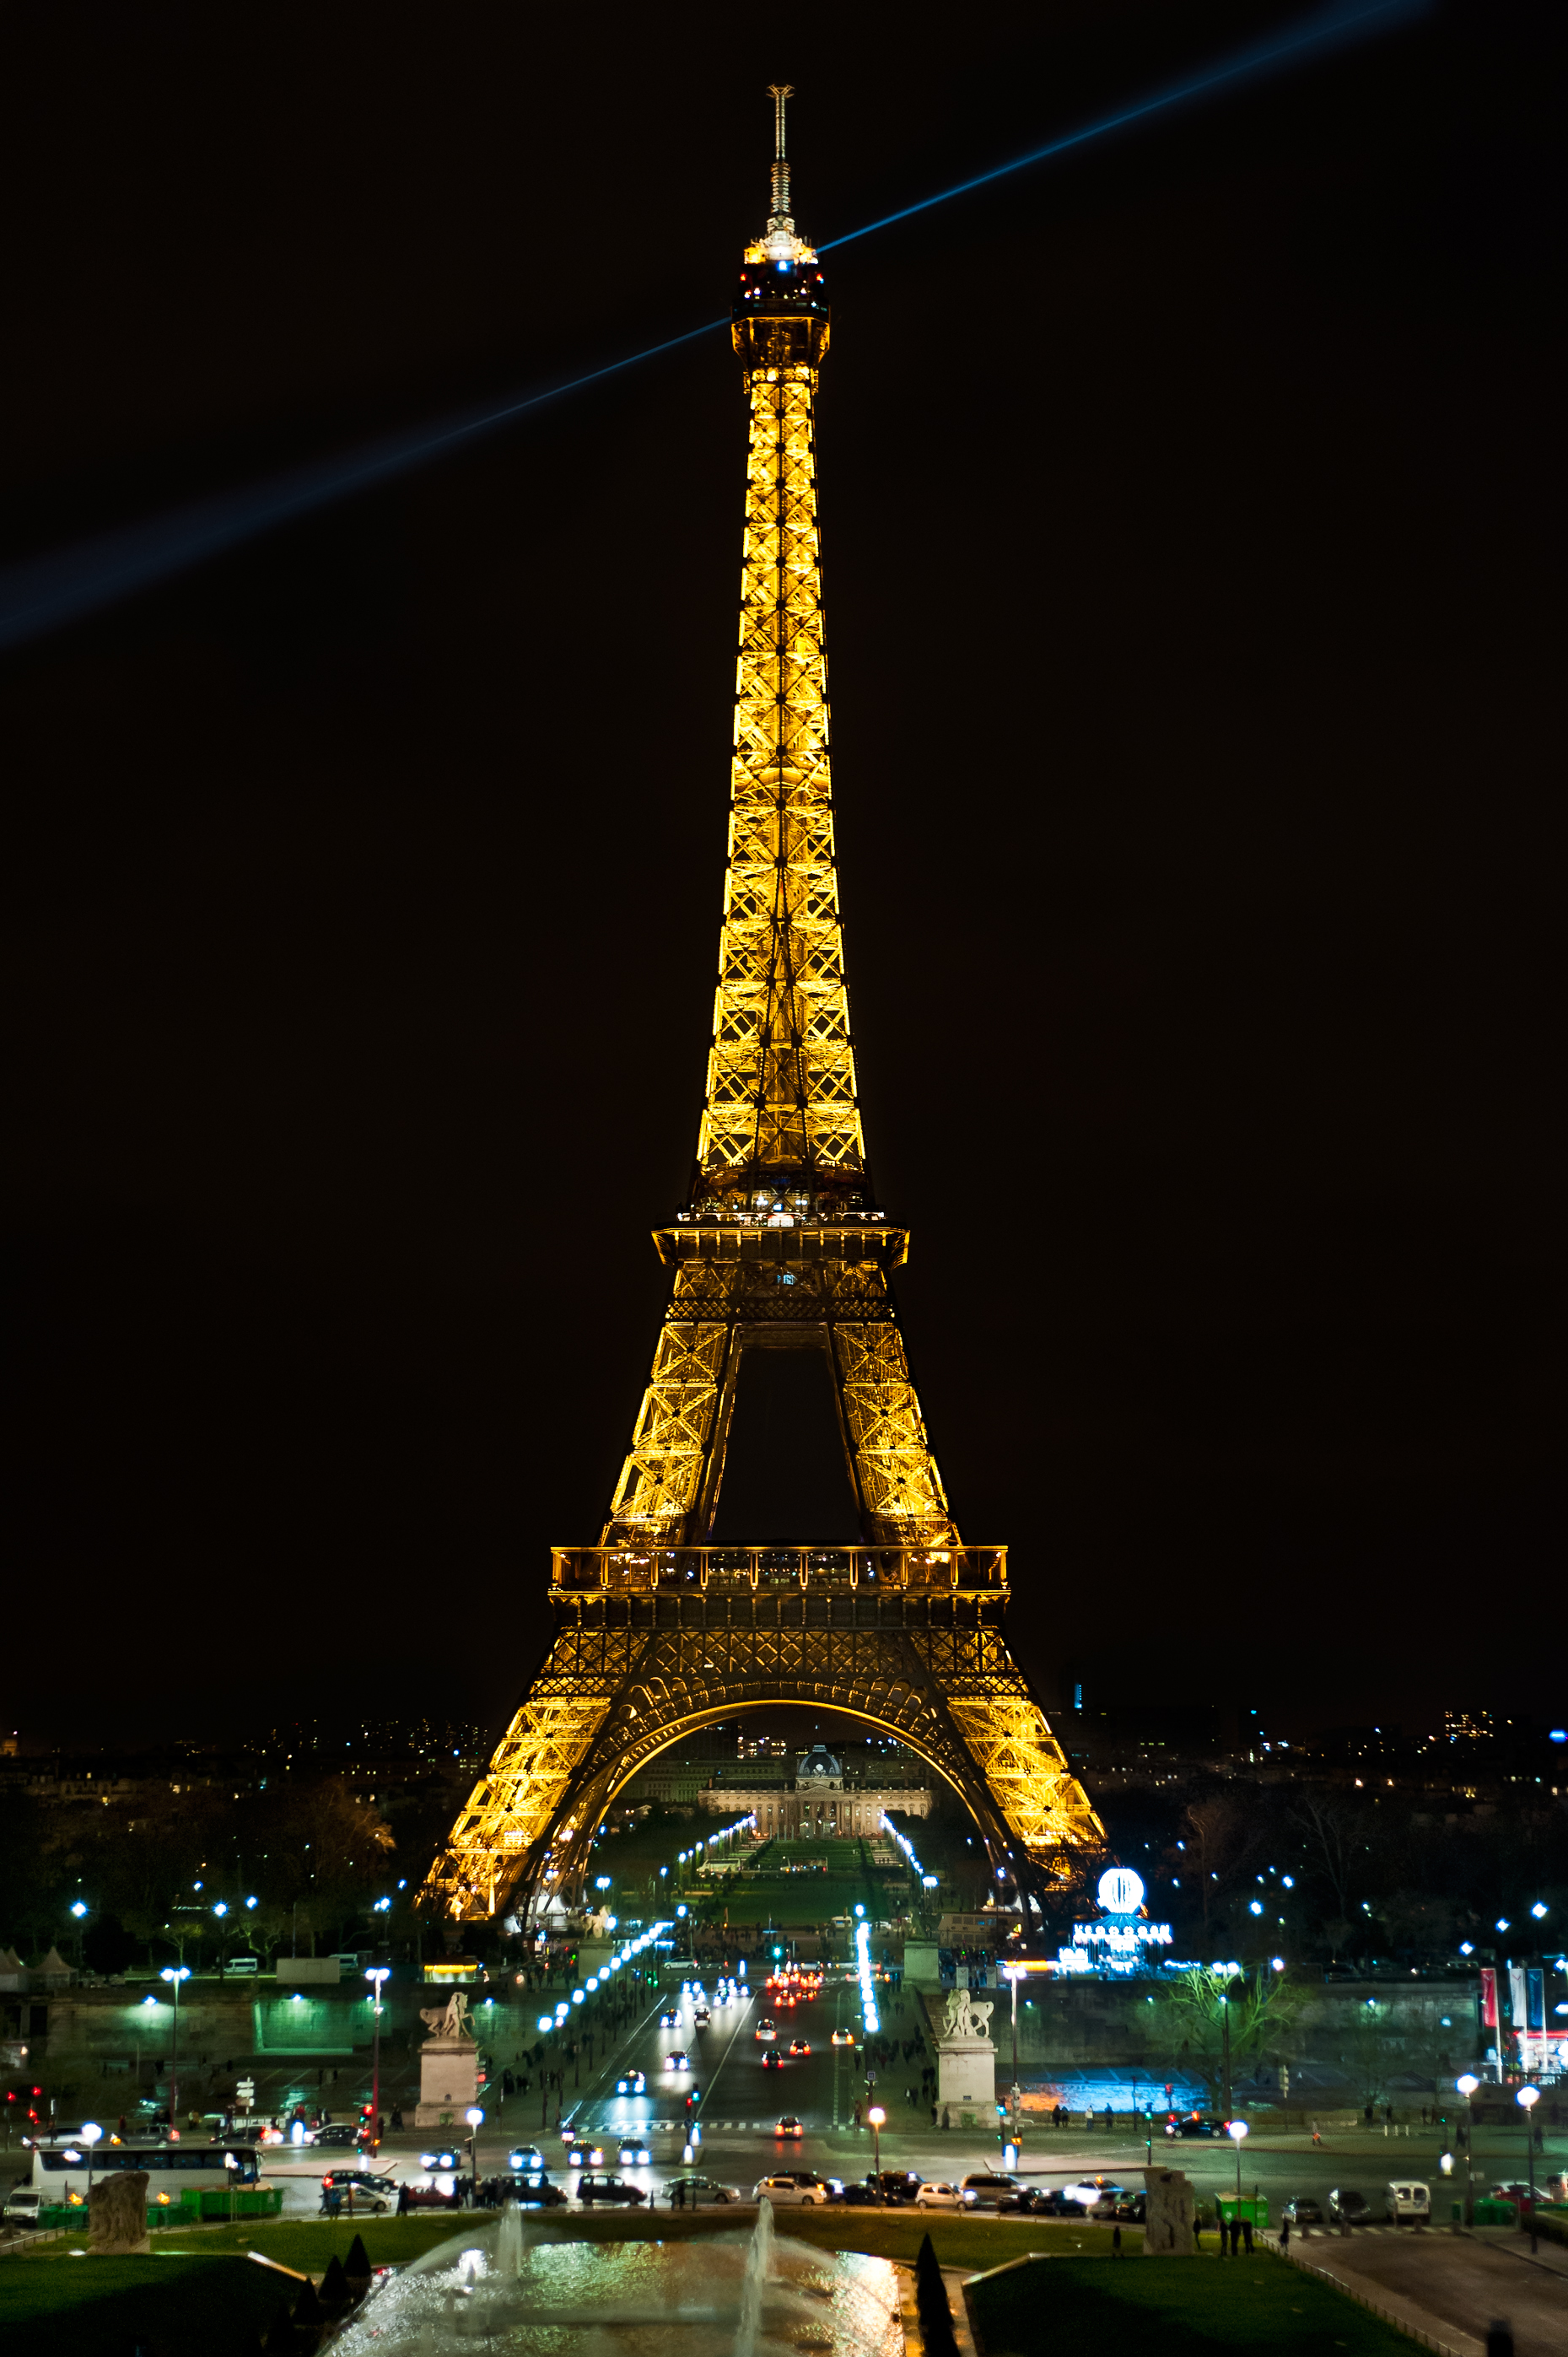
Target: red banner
1488 1997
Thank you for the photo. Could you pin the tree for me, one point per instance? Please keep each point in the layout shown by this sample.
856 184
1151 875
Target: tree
1205 2005
1220 1839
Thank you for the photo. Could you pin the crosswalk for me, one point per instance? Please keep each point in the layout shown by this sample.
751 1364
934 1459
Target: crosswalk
673 2127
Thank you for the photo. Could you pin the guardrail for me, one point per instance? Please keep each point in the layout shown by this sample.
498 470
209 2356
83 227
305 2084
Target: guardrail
672 1570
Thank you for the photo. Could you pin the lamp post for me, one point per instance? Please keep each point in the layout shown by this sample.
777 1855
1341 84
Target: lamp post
91 2132
876 2116
1528 2098
376 1974
474 2116
1466 2087
1236 2130
175 1975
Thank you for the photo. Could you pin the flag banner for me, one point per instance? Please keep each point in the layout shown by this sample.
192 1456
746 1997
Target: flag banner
1488 1997
1535 1997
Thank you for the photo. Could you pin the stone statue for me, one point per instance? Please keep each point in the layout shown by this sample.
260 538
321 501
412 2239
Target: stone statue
1168 2215
965 2018
117 2214
451 2023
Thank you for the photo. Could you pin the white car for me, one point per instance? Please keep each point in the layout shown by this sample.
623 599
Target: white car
795 2185
936 2194
1408 2199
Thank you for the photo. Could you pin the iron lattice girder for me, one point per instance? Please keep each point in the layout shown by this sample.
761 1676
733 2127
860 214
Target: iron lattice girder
781 1085
628 1675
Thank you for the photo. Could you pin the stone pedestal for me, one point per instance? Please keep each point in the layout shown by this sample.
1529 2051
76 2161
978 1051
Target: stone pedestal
448 2078
117 2214
1167 2228
966 2081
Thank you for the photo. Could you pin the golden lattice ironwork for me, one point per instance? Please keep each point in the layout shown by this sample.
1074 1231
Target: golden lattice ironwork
781 1245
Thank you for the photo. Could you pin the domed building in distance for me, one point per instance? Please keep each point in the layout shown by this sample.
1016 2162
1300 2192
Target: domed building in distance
817 1803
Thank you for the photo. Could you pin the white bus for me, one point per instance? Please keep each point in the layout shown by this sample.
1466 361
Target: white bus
61 2169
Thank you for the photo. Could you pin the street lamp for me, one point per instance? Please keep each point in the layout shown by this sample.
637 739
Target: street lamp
376 1974
1236 2130
1466 2087
175 1975
91 2132
1528 2098
876 2116
474 2117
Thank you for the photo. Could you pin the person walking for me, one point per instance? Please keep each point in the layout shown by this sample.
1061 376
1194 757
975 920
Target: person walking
857 2110
1285 2237
1246 2226
947 2116
933 2115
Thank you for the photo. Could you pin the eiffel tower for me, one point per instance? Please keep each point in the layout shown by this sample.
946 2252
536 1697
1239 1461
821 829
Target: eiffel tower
781 1246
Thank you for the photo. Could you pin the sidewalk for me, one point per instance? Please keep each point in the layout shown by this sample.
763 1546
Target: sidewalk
1451 2288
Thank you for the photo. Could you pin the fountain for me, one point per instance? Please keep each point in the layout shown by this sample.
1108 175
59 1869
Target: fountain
504 2285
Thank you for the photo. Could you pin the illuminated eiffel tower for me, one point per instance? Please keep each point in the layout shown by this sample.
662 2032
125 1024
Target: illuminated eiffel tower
780 1246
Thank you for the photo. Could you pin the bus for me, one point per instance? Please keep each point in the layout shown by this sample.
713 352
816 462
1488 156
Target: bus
61 2169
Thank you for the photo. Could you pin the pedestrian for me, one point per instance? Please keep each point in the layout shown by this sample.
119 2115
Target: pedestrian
397 2121
1317 2133
947 2115
1246 2226
933 2116
1197 2229
857 2115
1285 2235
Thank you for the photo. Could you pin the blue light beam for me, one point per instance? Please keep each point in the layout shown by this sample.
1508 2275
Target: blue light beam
45 593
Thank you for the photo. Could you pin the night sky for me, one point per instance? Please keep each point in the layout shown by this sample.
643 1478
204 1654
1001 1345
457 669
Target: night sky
1190 628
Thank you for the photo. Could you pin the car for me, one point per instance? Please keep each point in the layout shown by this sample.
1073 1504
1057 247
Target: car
677 2058
1021 2203
610 2189
340 2133
764 2032
842 2038
987 2187
584 2156
1053 2203
799 2045
701 2017
772 2060
857 2196
790 2126
634 2154
938 2194
525 2159
896 2184
633 2083
1305 2211
535 2191
1192 2123
697 2190
788 2186
1348 2208
357 2186
433 2195
1516 2190
441 2162
670 2019
22 2204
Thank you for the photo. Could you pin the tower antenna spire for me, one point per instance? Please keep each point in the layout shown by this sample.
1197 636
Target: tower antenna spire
780 91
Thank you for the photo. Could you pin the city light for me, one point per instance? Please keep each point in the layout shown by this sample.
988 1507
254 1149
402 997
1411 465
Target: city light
1538 1911
220 1907
79 1908
1502 1923
546 2021
863 1969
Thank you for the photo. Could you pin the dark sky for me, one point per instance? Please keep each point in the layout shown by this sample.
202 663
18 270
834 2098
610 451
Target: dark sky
1189 614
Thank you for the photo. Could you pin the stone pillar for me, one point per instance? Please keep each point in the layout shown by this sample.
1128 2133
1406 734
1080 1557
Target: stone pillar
448 2078
1167 2226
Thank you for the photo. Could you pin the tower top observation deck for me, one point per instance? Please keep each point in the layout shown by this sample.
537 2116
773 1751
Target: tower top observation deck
781 304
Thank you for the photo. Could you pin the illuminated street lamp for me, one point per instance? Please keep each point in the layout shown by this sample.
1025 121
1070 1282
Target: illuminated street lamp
1466 2087
1236 2130
876 2116
1528 2098
475 2117
91 2132
175 1975
376 1974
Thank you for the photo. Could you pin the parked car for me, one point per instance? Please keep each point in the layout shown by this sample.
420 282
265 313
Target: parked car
799 2045
857 2196
369 2191
1132 2211
1410 2201
1054 2204
633 2083
987 2187
1305 2211
635 2154
535 2191
1348 2208
1022 2203
610 2189
790 2126
1517 2190
22 2206
433 2195
936 2193
792 2186
896 2184
842 2038
698 2190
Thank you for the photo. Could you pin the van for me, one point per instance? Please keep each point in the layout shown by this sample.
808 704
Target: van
22 2206
242 1967
1407 2202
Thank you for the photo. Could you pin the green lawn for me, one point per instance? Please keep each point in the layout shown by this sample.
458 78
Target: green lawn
190 2307
1182 2307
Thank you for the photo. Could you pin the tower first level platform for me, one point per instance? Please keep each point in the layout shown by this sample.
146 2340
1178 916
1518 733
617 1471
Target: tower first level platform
653 1644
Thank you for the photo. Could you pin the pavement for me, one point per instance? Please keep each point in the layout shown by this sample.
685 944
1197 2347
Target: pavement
1453 2288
